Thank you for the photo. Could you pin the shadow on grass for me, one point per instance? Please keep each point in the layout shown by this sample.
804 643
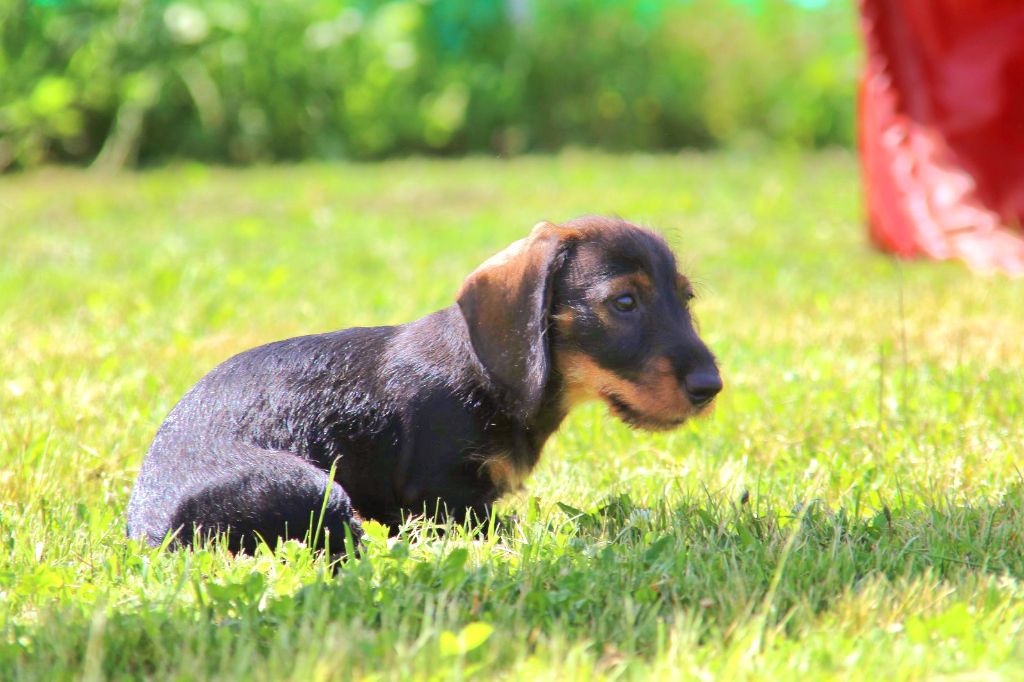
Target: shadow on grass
616 576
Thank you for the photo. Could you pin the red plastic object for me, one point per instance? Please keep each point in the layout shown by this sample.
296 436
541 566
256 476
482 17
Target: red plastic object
941 119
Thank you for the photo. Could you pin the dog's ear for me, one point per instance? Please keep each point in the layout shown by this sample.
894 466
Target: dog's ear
507 304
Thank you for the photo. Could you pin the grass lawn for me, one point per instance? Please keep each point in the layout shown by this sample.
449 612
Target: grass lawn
853 509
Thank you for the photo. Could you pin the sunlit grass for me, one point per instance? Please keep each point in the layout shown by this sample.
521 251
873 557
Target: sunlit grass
853 508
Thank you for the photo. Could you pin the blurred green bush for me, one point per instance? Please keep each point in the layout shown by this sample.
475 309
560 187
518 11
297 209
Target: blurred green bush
115 82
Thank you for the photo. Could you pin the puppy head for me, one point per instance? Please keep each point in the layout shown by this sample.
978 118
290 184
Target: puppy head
623 328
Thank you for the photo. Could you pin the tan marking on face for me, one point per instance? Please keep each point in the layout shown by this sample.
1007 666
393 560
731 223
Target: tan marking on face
583 378
660 390
641 280
634 282
656 394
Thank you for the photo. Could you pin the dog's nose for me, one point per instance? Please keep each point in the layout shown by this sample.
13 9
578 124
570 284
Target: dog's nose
702 387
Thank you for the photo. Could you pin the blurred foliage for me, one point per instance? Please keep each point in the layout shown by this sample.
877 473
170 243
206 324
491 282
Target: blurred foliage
116 82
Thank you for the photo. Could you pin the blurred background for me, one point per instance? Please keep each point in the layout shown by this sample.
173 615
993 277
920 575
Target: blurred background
885 398
120 83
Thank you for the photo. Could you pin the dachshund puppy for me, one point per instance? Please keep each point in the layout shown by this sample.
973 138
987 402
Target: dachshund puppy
442 415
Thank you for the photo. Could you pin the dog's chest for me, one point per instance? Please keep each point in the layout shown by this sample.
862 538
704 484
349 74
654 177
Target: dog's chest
505 472
509 460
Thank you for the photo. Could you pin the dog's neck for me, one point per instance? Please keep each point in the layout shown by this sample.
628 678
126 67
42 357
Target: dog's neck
454 352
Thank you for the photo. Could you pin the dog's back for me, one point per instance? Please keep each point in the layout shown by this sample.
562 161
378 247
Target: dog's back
268 421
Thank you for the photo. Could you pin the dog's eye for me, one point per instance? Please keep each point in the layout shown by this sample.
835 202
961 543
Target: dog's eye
689 295
624 303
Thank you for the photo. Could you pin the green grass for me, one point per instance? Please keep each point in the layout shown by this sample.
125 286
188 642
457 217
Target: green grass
853 509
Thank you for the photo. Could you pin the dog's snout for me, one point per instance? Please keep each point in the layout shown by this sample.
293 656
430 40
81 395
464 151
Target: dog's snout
702 387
